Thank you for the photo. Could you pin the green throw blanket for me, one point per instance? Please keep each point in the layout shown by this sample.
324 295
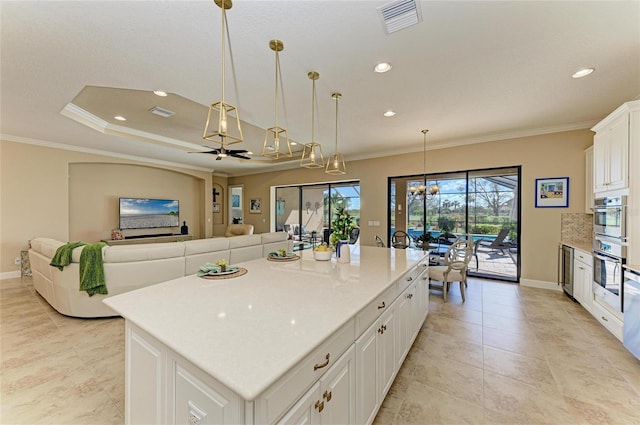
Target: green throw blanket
62 256
91 269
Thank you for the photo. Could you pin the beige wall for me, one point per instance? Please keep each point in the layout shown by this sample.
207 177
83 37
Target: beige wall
37 200
35 196
95 188
551 155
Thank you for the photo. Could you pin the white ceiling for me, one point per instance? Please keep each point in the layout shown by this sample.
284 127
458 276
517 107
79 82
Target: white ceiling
469 72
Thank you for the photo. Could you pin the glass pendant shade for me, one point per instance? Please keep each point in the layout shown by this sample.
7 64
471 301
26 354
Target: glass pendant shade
335 164
276 139
312 152
223 122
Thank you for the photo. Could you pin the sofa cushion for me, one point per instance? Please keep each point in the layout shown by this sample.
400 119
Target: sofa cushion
274 237
246 240
200 246
152 251
46 246
246 253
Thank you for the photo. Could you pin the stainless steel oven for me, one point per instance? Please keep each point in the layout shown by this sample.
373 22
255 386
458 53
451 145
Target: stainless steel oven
609 256
609 217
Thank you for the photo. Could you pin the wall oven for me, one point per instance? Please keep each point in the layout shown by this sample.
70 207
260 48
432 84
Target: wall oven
609 217
608 258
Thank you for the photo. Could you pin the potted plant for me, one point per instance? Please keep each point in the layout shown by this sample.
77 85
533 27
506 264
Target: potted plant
342 225
424 240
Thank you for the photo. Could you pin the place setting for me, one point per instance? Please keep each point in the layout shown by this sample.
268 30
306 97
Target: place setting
220 270
282 255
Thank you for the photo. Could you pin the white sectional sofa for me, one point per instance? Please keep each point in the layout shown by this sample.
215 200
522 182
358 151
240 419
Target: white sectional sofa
129 267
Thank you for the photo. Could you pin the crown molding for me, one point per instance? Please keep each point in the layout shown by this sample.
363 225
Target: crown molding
55 145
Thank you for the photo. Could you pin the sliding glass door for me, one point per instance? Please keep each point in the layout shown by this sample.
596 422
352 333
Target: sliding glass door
306 212
479 203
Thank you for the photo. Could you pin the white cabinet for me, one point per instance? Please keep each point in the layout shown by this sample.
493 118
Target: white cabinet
331 400
375 365
588 180
582 278
607 318
611 152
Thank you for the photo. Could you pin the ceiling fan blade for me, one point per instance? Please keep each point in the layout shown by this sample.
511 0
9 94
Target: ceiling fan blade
231 151
213 152
235 155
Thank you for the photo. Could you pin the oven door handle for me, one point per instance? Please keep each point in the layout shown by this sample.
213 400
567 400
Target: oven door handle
613 260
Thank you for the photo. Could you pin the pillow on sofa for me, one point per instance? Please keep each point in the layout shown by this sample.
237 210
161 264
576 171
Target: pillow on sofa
238 230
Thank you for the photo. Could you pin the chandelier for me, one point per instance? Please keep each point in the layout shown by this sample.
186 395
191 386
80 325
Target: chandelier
422 191
312 152
276 140
223 122
335 164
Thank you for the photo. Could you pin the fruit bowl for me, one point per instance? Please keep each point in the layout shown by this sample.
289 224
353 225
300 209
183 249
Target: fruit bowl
322 255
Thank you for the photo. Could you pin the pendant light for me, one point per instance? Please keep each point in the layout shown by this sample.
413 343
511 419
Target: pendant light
223 122
312 152
276 140
335 164
422 191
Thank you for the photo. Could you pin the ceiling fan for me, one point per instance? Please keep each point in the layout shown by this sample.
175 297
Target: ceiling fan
222 152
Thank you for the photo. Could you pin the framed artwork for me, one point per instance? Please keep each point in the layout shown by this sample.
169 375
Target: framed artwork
216 207
552 192
255 206
235 201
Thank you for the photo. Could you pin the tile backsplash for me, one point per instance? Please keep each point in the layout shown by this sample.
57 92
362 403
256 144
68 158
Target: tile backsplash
576 227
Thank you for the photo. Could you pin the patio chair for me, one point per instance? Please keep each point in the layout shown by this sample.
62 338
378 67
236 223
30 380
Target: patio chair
498 244
379 242
400 239
355 234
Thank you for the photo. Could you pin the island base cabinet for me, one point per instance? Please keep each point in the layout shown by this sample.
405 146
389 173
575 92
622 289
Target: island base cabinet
144 377
375 366
164 388
329 401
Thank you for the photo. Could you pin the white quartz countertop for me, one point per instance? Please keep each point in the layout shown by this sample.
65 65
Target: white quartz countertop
248 331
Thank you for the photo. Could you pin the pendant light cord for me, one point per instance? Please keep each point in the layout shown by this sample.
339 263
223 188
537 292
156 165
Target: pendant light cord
224 20
276 94
337 97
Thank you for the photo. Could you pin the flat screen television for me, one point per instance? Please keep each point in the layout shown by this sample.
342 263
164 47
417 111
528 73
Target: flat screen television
145 213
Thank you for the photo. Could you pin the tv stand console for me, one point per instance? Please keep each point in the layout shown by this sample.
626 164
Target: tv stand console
148 239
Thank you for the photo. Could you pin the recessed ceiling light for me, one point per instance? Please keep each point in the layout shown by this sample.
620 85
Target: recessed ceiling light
119 118
382 67
389 113
583 72
160 93
249 153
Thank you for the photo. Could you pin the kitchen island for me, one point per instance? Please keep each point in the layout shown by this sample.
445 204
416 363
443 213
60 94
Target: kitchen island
284 341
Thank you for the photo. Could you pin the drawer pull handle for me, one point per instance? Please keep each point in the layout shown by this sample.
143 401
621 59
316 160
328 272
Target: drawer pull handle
320 366
384 328
383 305
605 319
327 395
320 405
380 331
409 279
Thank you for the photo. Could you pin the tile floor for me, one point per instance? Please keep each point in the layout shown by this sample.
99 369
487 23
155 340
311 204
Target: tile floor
509 355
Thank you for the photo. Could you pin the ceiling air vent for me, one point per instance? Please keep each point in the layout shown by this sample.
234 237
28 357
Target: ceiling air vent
164 113
399 15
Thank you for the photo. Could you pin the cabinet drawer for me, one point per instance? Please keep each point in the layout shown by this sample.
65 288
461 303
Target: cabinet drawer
412 276
284 393
370 313
607 319
583 257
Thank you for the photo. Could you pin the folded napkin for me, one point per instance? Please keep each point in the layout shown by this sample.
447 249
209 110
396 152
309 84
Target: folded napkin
210 269
276 254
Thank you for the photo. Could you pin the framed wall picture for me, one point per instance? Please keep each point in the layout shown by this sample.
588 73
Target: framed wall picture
552 192
216 207
255 206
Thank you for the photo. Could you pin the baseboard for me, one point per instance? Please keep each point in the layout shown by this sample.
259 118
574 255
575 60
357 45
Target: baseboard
553 286
9 275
